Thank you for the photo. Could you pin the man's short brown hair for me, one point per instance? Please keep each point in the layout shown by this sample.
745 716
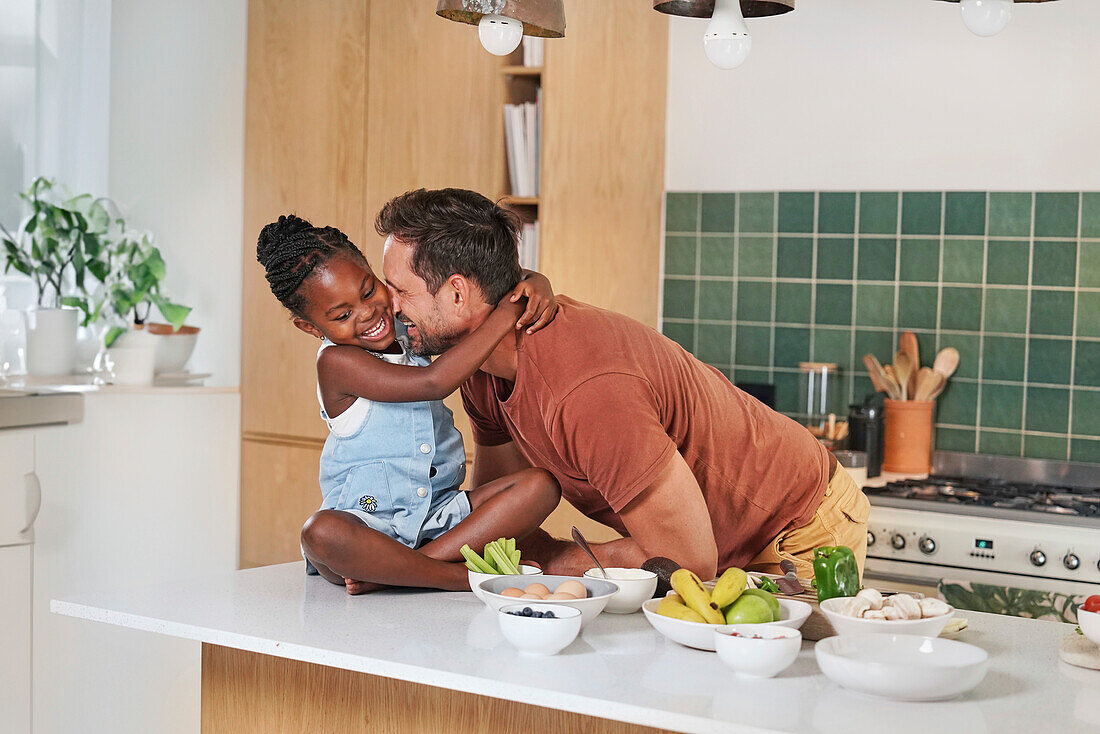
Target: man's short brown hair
456 231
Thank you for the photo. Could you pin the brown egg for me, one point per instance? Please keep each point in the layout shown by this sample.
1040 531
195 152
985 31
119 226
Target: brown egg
514 592
537 589
561 596
576 588
537 597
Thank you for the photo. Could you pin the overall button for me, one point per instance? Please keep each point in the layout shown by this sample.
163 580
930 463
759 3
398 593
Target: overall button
421 492
425 448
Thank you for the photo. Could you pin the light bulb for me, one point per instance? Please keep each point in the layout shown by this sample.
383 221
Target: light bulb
986 17
727 41
499 35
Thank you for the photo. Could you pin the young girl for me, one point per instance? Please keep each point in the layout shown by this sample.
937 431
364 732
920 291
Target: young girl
392 513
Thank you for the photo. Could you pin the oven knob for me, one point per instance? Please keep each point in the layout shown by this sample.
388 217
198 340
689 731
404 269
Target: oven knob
927 545
870 538
898 541
1038 558
1071 562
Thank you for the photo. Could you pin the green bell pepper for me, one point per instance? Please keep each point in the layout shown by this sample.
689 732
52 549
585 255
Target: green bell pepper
835 572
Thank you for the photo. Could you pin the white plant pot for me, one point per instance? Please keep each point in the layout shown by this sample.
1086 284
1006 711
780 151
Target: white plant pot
51 341
174 347
133 358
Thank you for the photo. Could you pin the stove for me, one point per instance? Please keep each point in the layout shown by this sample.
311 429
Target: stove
985 497
1018 523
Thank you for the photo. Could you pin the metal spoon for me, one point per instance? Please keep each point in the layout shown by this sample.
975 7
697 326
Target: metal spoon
579 540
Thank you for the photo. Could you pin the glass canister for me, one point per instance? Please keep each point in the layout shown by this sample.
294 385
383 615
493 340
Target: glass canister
818 384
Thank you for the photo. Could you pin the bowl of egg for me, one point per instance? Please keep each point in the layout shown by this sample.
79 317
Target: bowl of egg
476 578
586 595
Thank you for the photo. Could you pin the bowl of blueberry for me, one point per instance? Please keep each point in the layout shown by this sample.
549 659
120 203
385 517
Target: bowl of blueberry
539 629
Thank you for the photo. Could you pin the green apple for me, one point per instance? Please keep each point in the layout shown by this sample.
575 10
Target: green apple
748 609
773 603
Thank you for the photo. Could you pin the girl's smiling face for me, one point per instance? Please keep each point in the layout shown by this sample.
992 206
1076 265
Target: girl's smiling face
347 304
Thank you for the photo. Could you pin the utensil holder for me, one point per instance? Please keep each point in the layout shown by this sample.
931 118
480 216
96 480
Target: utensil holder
908 448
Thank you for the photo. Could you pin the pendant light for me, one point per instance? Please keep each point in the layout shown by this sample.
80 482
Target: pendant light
705 8
988 17
502 24
726 41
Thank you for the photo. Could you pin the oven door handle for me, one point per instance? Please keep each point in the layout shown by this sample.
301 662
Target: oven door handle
904 578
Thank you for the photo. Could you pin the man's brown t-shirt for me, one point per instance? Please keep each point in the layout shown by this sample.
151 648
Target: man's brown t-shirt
602 402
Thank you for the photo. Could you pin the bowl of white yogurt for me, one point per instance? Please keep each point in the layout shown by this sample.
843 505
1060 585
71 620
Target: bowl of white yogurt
635 587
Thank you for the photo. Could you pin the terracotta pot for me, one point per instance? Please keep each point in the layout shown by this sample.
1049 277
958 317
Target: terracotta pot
908 448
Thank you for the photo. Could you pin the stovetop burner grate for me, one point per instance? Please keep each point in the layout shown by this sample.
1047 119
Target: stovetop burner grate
996 493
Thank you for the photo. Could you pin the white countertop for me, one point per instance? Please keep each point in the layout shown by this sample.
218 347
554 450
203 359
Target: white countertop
619 668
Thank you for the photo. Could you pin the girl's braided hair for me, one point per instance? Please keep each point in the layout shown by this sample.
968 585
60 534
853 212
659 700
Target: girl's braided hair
291 249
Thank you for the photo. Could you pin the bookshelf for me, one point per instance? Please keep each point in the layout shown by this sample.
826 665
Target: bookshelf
521 76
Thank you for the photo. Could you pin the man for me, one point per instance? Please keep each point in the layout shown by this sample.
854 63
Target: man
641 435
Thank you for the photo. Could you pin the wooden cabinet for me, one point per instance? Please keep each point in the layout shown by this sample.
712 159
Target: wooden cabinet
281 492
351 102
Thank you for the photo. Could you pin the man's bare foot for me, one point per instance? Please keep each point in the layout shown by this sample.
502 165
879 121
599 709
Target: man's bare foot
361 587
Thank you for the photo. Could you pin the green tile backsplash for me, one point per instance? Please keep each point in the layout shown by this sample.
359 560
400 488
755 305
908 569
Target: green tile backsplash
756 282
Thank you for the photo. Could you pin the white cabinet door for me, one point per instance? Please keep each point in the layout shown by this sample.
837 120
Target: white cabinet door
19 499
16 463
15 639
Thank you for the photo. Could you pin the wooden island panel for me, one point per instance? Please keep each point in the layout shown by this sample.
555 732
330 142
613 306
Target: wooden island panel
249 693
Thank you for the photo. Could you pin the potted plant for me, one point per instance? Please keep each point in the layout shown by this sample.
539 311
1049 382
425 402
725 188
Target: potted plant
58 246
132 288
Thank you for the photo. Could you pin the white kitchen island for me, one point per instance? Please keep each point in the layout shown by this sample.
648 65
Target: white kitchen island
420 660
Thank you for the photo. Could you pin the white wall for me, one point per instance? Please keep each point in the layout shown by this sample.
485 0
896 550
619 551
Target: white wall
890 94
177 155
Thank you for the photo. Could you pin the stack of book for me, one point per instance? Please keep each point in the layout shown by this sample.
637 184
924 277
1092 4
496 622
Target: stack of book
522 130
532 50
529 246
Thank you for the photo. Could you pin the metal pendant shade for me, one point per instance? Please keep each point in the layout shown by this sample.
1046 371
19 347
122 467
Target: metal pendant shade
705 8
542 18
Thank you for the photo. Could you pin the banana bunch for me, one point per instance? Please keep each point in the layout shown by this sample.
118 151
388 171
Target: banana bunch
732 600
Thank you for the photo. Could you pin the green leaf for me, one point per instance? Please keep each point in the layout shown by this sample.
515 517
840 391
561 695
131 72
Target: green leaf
99 269
173 313
155 263
112 334
32 224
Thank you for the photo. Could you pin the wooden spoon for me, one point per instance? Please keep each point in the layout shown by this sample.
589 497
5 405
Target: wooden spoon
927 382
903 367
907 343
879 378
947 361
939 388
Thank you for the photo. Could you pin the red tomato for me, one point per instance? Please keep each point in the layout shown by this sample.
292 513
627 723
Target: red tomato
1092 604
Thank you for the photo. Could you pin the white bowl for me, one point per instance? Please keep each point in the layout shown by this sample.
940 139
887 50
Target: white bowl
766 652
845 625
540 636
174 348
902 667
1089 622
632 592
701 636
476 578
599 592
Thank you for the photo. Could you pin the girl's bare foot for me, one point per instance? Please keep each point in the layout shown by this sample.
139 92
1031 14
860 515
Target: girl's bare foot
360 587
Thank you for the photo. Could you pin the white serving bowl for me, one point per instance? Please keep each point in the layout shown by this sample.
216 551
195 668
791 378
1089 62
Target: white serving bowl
476 578
701 636
845 625
540 636
902 667
632 592
599 592
757 658
1089 622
